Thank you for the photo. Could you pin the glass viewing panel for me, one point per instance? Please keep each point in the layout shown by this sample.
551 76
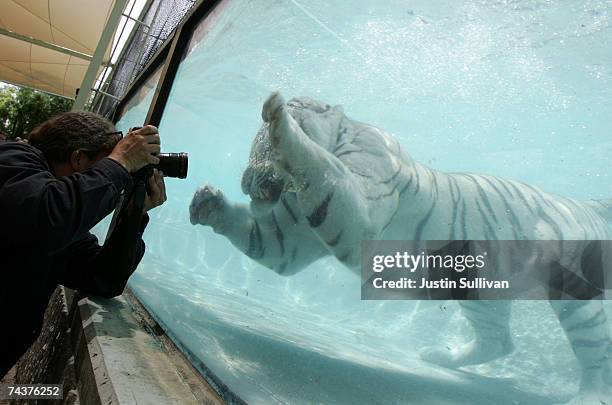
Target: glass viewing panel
135 110
516 89
133 114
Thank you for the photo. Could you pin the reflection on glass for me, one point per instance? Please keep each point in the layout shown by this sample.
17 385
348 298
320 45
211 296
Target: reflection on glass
134 111
515 90
133 114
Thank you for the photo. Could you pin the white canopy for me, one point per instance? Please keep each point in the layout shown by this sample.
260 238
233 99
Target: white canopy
47 44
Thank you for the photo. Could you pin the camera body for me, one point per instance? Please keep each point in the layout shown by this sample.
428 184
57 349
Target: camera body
171 164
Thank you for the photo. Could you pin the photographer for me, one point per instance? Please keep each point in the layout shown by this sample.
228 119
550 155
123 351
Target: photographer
52 192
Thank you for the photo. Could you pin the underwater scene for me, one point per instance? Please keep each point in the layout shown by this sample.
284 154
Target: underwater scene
252 265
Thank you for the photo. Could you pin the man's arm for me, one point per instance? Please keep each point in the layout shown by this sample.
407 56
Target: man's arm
55 212
101 270
105 270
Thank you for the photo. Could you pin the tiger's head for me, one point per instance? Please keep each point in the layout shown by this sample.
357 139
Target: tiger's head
263 180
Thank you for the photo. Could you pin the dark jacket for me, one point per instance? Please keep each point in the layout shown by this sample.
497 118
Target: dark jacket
45 240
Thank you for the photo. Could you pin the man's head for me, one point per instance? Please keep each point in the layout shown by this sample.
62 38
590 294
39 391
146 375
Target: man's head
73 141
264 180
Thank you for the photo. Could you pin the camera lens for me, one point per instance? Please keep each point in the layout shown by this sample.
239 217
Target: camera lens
173 164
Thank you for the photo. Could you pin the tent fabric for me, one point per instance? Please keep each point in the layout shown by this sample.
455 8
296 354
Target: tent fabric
72 24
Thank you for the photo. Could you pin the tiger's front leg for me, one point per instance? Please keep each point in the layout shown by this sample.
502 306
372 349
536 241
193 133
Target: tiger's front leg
325 187
278 240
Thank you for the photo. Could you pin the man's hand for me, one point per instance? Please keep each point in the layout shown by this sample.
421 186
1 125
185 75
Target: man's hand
137 149
157 191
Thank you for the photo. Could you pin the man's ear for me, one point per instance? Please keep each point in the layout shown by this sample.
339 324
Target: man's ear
76 160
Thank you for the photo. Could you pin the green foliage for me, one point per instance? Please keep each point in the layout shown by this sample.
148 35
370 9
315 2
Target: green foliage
22 109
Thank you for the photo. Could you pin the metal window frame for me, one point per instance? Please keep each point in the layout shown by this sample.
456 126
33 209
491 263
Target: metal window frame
122 53
168 56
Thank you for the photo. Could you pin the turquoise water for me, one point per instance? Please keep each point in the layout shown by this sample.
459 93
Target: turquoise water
518 89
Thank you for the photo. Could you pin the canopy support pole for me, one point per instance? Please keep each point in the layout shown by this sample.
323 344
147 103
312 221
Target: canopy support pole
96 60
45 44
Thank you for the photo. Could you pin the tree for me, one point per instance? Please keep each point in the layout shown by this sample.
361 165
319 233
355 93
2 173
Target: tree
22 109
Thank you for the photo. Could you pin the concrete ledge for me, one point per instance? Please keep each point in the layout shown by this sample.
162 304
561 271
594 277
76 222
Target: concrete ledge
49 360
122 356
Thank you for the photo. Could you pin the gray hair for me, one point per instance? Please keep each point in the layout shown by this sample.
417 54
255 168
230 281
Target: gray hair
64 133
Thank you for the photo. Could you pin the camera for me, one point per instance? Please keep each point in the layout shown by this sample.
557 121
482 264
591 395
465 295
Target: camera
171 164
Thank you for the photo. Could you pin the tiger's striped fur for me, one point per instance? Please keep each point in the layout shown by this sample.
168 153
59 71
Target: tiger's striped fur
320 183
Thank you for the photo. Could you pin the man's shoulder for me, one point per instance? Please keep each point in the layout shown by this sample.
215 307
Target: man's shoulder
12 146
14 153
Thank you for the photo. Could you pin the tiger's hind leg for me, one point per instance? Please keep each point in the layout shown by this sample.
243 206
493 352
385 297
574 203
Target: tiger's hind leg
492 339
587 329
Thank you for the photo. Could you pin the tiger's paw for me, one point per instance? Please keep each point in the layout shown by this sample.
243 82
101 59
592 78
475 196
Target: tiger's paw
470 353
283 128
273 107
208 207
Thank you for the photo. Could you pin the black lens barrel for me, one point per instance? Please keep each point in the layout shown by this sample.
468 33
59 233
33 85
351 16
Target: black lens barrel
173 164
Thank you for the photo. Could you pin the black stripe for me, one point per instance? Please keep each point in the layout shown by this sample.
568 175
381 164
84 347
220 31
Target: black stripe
320 213
434 184
509 211
575 211
405 187
570 309
348 152
384 228
367 176
522 197
549 221
336 240
255 249
596 320
594 223
455 207
463 221
590 343
280 237
364 128
341 131
597 366
289 210
418 184
571 282
282 268
294 254
344 257
503 184
546 200
390 179
390 192
421 225
381 196
340 145
463 206
484 197
486 221
563 214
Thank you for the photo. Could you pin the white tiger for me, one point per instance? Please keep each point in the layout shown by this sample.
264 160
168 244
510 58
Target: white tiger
320 183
